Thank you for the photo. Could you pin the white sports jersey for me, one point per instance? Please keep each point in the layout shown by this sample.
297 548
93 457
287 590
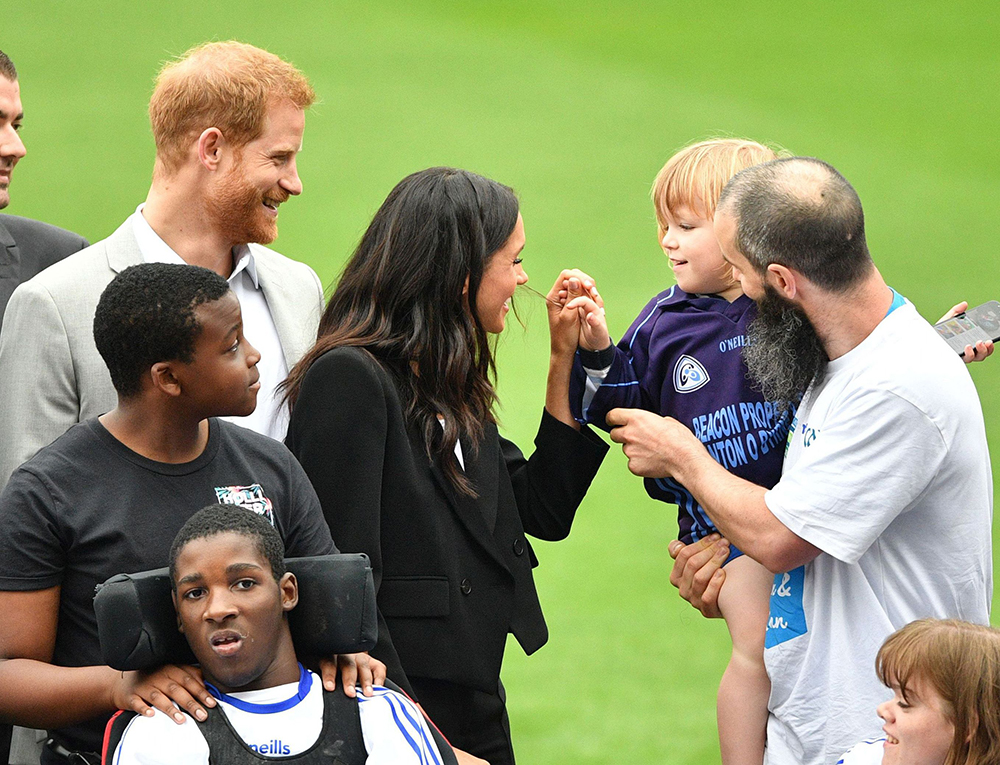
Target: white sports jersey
282 721
865 753
888 473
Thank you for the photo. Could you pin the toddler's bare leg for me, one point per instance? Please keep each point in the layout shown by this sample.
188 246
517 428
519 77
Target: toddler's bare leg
744 690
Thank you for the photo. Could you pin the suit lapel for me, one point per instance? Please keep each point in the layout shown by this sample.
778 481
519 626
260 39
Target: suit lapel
277 295
482 471
10 266
468 510
122 248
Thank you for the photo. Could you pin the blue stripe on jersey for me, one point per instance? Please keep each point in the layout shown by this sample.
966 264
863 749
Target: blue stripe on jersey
648 317
117 754
428 745
427 753
305 683
619 385
402 729
702 525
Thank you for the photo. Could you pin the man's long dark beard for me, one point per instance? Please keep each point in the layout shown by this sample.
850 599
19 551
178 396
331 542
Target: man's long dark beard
783 353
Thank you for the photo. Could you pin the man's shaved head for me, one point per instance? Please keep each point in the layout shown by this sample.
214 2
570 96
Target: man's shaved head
801 213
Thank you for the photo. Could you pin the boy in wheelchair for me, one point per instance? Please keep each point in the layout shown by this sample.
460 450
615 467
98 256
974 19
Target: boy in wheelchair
232 596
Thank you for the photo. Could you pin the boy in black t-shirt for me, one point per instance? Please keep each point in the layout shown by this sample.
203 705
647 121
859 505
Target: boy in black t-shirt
110 494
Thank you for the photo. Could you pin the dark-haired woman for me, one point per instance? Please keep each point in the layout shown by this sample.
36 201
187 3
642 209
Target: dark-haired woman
392 418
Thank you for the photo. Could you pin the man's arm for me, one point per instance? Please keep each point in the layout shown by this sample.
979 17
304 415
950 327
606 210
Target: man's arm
658 447
39 694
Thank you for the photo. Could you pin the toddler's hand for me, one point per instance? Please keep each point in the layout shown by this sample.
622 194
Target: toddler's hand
594 335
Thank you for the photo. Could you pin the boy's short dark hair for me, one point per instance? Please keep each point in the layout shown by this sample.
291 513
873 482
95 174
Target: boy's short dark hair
146 315
220 519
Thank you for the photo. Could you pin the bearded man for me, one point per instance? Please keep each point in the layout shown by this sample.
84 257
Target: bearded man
227 120
883 511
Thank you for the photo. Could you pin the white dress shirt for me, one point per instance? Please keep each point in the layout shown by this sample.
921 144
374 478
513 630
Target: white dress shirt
258 326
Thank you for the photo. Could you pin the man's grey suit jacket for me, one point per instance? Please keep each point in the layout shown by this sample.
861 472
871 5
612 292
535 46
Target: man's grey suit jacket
51 374
28 247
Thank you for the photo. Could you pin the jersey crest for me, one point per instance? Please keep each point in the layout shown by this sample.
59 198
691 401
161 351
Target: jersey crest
250 497
689 374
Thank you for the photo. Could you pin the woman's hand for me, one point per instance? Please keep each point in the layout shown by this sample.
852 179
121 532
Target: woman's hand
564 320
168 688
564 334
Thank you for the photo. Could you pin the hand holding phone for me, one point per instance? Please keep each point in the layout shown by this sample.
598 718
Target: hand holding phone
979 324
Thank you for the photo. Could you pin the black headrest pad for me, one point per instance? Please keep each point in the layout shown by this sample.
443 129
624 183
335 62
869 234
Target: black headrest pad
137 625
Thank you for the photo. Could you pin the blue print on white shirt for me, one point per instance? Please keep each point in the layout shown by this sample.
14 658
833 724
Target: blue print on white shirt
787 618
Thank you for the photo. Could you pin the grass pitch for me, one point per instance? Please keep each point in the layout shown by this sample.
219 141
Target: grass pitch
576 106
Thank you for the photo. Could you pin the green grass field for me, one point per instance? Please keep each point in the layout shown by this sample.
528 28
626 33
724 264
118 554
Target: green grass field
576 106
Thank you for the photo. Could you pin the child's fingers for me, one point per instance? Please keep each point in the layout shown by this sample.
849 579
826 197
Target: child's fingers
587 304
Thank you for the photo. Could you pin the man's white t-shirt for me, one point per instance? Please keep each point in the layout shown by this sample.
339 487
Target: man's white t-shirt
887 472
282 721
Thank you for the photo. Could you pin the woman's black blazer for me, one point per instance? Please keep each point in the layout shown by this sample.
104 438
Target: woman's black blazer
453 574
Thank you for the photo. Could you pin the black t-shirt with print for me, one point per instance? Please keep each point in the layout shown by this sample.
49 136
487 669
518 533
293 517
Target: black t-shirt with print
86 508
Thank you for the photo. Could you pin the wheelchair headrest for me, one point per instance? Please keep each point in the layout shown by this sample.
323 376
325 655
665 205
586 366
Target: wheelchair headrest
137 625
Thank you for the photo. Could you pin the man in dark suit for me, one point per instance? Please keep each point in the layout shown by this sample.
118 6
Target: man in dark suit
26 246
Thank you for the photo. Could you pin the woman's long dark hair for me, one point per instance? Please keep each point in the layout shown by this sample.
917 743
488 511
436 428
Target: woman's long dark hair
400 297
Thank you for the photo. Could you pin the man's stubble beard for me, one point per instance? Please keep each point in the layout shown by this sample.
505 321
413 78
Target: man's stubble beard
783 353
236 208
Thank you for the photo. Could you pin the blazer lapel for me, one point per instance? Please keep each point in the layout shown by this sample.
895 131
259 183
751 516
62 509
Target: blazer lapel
122 248
10 266
277 295
482 471
468 510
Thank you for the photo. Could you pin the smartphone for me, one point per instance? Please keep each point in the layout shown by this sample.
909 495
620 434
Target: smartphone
979 323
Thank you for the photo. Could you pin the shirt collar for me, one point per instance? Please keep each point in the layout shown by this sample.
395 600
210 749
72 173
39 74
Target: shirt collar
155 250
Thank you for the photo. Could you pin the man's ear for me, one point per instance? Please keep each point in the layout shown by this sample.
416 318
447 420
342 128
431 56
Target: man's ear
211 143
163 377
289 587
783 279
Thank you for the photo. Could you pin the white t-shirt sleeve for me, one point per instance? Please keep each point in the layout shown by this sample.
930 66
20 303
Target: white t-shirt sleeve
869 461
395 732
158 740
